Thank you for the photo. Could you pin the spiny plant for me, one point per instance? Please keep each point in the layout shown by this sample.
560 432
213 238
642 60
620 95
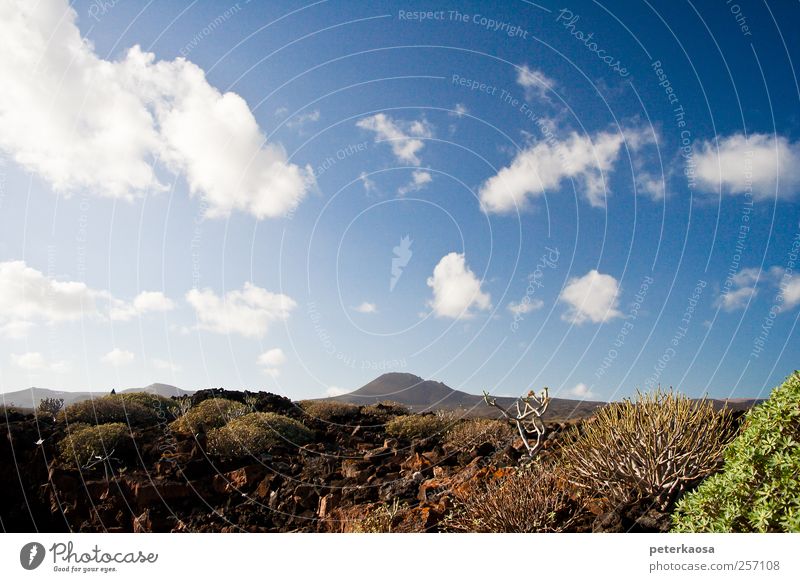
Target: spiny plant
650 448
527 417
758 489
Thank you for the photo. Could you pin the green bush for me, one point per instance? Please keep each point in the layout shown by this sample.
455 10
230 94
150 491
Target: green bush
476 431
328 410
649 449
84 443
211 413
419 425
130 408
758 489
166 406
256 433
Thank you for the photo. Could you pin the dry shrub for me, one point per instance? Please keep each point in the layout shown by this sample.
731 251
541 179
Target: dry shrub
385 410
328 410
50 406
132 408
85 444
649 449
419 425
529 499
211 413
255 433
378 519
476 431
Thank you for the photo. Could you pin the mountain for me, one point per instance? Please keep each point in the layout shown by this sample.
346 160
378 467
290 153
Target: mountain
31 397
424 395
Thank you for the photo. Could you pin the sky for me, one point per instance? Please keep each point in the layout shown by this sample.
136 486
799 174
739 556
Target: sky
298 197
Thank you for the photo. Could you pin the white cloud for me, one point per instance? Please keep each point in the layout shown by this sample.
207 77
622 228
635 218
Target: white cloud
404 137
118 357
366 307
580 390
524 307
248 312
535 83
593 297
144 302
36 362
767 165
95 126
335 391
167 365
272 372
16 329
27 296
369 185
456 289
419 179
743 286
740 290
543 166
304 118
272 358
459 110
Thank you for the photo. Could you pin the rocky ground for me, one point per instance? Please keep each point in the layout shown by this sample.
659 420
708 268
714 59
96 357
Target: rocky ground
166 483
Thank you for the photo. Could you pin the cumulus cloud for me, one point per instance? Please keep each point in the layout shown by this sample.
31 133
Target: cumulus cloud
544 165
118 357
524 307
535 83
741 287
36 362
272 358
593 297
739 291
366 307
247 312
404 137
456 289
298 121
419 179
90 125
764 165
145 302
580 390
166 365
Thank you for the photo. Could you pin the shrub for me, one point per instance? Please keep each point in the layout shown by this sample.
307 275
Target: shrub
476 431
50 406
385 410
378 519
256 433
211 413
328 410
525 500
419 425
166 406
650 449
127 408
758 489
84 445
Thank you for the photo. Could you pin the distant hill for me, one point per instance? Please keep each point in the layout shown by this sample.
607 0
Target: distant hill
423 395
31 397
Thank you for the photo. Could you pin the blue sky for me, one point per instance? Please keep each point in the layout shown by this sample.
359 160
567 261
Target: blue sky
595 198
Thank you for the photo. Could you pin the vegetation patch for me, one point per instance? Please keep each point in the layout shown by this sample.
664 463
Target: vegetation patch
129 408
419 425
758 489
651 448
211 413
329 411
476 431
256 433
86 444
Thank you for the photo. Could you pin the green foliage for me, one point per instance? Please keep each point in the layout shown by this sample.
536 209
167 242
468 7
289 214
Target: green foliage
84 443
651 448
256 433
211 413
329 410
758 489
476 431
130 408
50 406
419 425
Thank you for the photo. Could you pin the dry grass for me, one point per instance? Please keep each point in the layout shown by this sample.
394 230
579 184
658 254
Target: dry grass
329 411
419 425
476 431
